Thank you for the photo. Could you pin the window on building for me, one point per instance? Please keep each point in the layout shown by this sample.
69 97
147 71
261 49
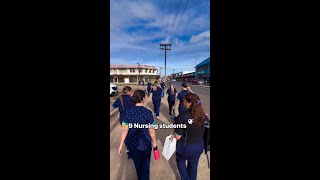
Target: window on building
146 71
154 71
149 70
132 70
122 70
133 79
121 80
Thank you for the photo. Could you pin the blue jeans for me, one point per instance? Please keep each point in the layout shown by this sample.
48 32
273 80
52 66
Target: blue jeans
142 163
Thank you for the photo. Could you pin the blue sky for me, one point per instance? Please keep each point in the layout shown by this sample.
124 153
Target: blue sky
137 27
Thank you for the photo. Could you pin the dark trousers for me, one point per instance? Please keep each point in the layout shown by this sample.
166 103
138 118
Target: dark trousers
171 103
142 163
192 155
156 106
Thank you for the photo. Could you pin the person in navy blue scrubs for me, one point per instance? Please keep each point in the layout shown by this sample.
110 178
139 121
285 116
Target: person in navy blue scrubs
190 143
149 86
172 95
162 86
139 141
185 90
123 102
156 95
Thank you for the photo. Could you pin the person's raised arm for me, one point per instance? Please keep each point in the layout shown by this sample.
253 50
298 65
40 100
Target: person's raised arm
190 89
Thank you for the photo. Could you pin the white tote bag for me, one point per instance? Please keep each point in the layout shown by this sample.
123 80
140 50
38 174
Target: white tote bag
169 147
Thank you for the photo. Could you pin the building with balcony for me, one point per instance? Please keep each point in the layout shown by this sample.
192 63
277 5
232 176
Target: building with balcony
203 71
131 74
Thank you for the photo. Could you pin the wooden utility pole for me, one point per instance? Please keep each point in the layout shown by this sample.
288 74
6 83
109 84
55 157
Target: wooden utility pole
165 57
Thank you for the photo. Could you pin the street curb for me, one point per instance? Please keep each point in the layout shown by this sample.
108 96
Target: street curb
189 84
204 86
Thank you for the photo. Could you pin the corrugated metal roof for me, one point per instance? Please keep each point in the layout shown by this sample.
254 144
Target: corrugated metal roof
206 61
131 66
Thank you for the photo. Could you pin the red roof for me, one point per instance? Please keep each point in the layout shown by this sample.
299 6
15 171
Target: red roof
132 66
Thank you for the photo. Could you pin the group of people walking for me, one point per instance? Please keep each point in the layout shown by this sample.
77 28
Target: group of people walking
156 92
140 141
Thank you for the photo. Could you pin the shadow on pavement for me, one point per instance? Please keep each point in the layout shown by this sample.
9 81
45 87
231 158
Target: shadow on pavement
163 133
127 169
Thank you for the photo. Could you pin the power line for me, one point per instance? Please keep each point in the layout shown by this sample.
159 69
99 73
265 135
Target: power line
153 55
181 19
162 18
175 19
169 16
176 29
156 53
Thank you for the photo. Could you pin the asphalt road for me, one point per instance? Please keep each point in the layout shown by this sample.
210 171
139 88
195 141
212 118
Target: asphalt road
202 92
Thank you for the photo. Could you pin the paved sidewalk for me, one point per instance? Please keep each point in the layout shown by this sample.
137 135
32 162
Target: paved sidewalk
122 168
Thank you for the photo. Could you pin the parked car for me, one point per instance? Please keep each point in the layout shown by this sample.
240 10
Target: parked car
173 80
113 89
196 82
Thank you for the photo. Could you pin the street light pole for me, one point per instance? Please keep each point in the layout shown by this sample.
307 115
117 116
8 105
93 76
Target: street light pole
139 73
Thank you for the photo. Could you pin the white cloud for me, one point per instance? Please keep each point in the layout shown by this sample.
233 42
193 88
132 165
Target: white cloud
200 37
127 14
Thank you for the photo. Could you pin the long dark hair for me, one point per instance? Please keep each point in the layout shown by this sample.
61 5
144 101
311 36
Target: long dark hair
196 108
124 91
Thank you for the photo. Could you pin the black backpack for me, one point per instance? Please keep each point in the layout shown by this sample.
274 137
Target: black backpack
206 139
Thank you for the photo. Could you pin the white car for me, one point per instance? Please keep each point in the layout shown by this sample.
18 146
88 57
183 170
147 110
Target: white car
113 89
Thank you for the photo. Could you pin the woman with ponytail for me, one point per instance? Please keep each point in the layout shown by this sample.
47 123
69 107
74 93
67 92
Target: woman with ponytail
172 95
139 141
155 95
190 143
123 102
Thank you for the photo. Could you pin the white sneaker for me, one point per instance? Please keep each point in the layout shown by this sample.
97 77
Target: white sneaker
157 117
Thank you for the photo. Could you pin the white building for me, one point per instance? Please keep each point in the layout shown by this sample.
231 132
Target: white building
130 73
